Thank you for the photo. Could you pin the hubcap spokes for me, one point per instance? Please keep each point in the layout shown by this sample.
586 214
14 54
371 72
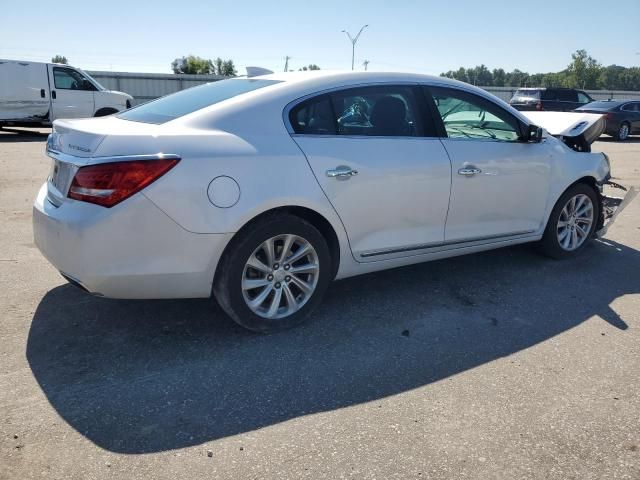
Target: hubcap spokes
624 132
280 276
574 223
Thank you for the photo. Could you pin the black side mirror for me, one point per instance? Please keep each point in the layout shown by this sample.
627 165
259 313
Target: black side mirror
533 134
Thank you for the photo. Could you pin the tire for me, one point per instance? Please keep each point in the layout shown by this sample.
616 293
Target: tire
554 240
235 275
623 132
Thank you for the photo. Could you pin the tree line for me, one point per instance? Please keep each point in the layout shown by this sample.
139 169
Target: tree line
583 72
192 64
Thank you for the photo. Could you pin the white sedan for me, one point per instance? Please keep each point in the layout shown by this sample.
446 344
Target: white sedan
262 190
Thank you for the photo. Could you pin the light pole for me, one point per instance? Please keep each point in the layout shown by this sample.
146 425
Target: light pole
353 41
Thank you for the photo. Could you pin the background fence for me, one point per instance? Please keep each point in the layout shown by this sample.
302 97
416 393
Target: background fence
147 86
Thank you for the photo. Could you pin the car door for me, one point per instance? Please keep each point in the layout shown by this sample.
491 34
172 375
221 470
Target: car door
375 153
499 184
71 93
568 100
632 115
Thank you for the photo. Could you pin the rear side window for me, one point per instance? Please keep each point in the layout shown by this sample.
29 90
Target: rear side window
379 111
188 101
550 94
567 96
631 107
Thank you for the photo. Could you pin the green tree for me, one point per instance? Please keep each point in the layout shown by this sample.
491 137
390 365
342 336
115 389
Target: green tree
584 70
228 69
60 59
311 66
192 64
499 77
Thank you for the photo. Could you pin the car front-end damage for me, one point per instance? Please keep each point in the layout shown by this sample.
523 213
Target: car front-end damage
612 205
577 130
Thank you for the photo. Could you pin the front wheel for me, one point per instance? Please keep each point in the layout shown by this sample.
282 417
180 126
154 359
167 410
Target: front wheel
572 222
273 274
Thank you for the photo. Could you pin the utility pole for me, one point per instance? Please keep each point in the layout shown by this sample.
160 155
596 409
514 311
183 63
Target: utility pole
286 63
353 41
366 64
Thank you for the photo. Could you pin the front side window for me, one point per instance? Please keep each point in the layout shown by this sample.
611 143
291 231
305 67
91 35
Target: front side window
69 79
377 111
465 115
583 98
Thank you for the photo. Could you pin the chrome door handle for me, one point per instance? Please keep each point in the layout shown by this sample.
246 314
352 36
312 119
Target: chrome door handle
342 172
469 171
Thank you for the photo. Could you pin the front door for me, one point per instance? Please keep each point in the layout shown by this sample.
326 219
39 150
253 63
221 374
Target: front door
384 171
71 93
499 184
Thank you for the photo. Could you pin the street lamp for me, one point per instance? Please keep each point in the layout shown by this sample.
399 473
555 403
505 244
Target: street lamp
353 41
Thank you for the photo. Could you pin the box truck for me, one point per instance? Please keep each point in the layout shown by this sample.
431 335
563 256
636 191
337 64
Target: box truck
35 94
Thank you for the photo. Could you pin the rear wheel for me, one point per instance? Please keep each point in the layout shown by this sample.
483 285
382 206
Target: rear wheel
274 274
623 132
572 222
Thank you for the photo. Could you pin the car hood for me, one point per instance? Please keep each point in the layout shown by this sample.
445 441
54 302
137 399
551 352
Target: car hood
566 124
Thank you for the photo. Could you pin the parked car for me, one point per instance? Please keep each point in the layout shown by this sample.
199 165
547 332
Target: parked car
35 94
251 189
622 116
550 99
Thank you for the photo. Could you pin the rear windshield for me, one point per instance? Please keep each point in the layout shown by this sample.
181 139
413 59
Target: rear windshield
526 95
599 106
187 101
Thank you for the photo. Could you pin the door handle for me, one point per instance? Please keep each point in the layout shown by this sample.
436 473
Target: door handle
342 172
42 93
469 171
53 94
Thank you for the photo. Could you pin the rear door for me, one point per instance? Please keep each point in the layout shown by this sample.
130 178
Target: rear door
499 184
376 156
568 100
71 93
24 91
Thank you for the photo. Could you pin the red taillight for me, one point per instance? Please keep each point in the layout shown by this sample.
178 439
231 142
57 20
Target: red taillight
609 115
539 106
108 184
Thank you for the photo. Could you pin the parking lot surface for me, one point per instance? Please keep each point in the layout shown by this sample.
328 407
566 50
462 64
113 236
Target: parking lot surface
499 365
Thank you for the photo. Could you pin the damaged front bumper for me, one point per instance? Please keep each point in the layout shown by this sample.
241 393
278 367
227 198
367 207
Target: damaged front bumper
612 205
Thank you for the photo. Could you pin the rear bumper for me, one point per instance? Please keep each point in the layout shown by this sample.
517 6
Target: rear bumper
133 250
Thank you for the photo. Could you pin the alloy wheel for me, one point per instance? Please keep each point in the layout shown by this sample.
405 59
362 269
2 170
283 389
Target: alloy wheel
280 276
574 222
623 133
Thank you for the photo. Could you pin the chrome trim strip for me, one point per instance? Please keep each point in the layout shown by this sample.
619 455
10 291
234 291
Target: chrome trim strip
427 246
80 161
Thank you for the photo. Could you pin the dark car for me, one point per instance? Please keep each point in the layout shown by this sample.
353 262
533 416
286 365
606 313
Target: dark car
551 99
623 116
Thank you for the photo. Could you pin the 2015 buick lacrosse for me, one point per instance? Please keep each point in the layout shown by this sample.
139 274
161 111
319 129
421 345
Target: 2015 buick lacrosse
261 190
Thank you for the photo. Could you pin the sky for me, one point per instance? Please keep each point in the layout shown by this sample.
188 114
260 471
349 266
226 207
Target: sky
429 36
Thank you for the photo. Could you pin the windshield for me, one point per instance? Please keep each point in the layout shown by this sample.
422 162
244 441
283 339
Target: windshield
526 96
188 101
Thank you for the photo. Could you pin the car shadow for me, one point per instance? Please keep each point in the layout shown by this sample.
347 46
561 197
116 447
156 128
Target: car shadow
147 376
15 135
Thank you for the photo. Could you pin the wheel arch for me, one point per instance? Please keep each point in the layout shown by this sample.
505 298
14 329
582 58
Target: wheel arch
103 112
316 219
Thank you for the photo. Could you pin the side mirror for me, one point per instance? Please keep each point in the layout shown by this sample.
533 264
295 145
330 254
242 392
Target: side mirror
533 134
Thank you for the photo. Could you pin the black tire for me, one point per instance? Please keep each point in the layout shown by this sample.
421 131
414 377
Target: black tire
227 286
620 136
550 245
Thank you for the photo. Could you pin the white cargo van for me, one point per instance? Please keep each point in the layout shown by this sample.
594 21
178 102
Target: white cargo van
36 94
